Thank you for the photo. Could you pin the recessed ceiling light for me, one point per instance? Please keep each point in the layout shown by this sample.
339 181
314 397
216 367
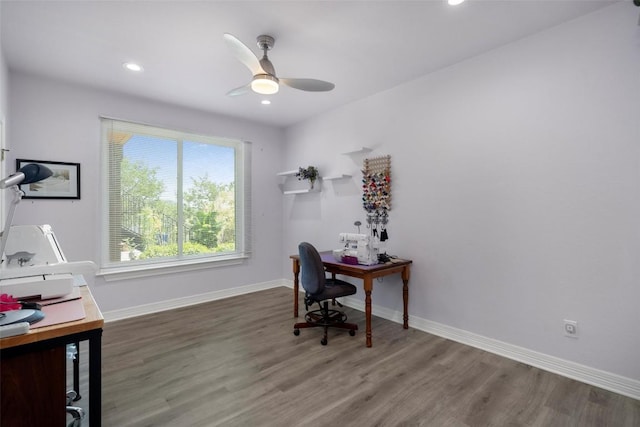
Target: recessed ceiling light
454 2
265 102
131 66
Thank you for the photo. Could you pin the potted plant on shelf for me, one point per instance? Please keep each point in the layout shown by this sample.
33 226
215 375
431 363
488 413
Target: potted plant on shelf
310 173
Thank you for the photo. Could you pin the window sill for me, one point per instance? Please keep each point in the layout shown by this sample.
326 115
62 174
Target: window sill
133 272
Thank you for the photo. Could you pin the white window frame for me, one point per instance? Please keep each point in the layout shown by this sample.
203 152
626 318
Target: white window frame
120 270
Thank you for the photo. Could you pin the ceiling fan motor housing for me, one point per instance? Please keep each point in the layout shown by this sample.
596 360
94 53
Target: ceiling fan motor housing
265 42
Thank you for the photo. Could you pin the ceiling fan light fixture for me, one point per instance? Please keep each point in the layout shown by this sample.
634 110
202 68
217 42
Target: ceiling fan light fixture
264 84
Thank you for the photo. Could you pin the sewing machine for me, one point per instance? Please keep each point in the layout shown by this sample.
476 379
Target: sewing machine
362 247
34 265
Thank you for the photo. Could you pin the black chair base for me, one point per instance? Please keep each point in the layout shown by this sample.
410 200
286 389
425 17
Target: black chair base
326 319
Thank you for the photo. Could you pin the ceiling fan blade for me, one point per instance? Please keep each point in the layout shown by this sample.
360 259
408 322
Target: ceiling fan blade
243 53
311 85
239 90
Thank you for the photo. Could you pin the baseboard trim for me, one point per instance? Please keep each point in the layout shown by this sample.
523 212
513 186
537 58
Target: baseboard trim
141 310
603 379
596 377
606 380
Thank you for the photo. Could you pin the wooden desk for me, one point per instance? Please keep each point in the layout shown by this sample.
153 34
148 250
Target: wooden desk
33 384
365 272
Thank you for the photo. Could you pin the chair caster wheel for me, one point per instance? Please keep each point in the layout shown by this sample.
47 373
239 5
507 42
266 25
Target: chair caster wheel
323 341
296 332
352 332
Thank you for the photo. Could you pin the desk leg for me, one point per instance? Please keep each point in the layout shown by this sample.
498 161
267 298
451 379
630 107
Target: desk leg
296 273
405 296
95 378
368 286
76 372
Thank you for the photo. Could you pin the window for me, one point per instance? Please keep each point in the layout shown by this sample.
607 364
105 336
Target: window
171 198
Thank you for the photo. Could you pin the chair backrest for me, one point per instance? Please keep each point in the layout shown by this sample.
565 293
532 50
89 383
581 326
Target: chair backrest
312 275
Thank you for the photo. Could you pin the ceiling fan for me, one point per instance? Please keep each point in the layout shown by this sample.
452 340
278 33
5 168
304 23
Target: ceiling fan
265 81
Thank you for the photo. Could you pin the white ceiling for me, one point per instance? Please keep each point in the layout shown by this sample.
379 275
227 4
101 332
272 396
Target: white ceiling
364 47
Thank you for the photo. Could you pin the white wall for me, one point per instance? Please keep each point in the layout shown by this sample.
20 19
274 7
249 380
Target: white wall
3 83
59 122
516 190
3 76
4 99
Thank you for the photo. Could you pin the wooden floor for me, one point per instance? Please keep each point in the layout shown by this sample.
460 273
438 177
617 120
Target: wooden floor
236 362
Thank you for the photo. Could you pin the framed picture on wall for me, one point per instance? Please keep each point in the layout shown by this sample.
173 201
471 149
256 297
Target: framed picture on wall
63 184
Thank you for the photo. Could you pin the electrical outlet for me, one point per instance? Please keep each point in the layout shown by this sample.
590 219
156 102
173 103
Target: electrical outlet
570 328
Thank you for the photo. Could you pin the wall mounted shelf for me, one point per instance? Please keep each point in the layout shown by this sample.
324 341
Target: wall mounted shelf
358 151
287 174
333 177
304 190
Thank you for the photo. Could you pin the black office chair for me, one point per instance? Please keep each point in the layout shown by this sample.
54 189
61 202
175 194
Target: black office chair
318 288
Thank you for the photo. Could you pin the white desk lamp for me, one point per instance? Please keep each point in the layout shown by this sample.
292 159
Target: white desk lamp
27 174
